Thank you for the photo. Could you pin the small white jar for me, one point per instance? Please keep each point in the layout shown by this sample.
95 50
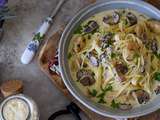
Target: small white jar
19 107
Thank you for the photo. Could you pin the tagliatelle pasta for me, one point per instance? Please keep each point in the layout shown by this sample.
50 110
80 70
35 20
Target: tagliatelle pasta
114 58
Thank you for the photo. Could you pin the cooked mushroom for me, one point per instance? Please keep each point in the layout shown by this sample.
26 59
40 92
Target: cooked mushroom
116 17
107 20
124 106
106 40
82 73
154 46
157 90
92 56
103 56
121 68
91 27
94 61
122 78
131 18
154 25
141 95
106 37
113 19
87 81
85 77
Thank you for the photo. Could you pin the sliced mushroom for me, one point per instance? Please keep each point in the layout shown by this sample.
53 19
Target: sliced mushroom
157 90
103 56
91 27
154 46
124 106
92 56
82 72
87 81
121 68
141 95
113 19
85 77
154 25
106 40
106 37
131 18
122 78
116 17
94 61
107 20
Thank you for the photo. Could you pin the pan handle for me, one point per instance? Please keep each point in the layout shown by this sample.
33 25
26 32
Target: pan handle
72 108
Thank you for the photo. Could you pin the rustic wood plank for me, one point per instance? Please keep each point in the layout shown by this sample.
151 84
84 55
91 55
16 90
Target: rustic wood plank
156 3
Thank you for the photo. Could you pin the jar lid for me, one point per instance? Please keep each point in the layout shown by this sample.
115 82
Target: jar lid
22 107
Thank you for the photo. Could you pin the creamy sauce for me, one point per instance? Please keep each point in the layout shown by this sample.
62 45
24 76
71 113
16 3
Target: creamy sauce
16 109
121 91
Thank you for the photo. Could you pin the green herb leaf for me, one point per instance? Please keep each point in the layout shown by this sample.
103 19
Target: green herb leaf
84 53
78 30
113 55
114 104
125 22
69 55
101 95
101 100
107 88
157 55
38 37
157 76
110 42
93 92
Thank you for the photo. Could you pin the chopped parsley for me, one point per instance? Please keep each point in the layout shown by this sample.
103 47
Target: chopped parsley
38 37
69 55
157 76
114 104
78 30
125 22
157 55
84 53
93 92
101 100
113 55
103 93
107 88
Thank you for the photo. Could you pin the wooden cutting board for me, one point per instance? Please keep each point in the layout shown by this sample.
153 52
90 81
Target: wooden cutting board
48 52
